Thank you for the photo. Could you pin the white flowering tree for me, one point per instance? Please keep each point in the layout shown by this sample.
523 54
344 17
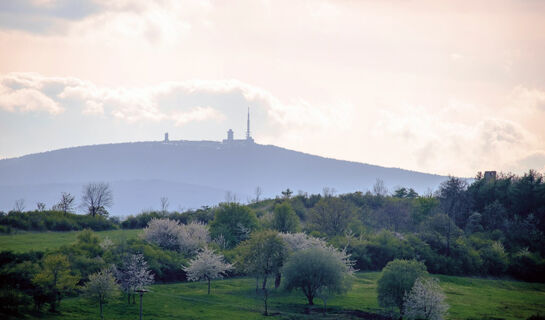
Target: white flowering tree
425 301
134 274
100 288
193 236
207 265
301 241
171 235
163 232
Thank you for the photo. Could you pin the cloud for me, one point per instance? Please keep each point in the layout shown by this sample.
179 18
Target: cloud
27 99
42 16
196 114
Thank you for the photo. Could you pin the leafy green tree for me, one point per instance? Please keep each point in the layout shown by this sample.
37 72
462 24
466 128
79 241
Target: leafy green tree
317 273
234 223
263 255
56 278
284 218
331 216
100 288
397 280
455 203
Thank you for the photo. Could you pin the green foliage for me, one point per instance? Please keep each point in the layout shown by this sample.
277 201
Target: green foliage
233 222
54 221
396 281
55 278
101 288
314 270
331 216
284 218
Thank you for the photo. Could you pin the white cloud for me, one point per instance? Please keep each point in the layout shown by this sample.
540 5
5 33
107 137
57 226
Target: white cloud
26 100
196 114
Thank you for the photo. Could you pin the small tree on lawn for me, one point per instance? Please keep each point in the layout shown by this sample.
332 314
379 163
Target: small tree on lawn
100 288
397 279
134 274
207 265
263 255
425 301
317 272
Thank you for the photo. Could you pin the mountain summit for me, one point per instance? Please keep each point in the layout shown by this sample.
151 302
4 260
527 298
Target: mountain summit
189 173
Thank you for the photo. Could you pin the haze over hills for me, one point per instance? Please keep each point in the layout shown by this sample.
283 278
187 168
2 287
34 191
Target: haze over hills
189 173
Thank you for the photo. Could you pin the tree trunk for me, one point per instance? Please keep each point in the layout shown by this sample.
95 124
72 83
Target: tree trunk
208 285
256 284
128 298
101 315
277 280
265 298
325 307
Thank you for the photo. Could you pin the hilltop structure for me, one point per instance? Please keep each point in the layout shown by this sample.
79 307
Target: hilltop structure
230 135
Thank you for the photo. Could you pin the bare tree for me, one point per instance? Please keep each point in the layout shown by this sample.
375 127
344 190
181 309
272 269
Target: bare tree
40 206
207 265
19 205
258 192
96 198
379 188
164 205
66 204
231 197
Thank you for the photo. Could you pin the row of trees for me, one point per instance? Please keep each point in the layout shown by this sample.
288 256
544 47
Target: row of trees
96 198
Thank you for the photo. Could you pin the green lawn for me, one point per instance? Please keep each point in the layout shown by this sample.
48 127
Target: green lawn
235 299
40 241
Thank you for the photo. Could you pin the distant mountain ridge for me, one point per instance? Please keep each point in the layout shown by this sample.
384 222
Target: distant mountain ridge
189 173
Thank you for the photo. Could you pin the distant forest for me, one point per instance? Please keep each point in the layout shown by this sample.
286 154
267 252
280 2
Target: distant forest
492 227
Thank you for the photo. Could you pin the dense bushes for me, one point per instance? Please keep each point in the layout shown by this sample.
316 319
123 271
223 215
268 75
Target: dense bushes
54 221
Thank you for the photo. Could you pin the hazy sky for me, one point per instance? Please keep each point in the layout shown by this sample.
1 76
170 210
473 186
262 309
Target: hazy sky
449 88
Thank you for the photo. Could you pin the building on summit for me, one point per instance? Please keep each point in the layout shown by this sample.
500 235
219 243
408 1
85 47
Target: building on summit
230 135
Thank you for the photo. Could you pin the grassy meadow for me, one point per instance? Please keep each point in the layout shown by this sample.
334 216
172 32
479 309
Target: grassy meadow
469 298
41 241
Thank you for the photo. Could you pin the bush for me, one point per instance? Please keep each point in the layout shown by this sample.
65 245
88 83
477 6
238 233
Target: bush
397 280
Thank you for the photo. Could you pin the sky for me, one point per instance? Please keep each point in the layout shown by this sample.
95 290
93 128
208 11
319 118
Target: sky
446 87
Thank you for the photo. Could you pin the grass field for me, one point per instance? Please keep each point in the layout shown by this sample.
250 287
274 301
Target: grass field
40 241
235 299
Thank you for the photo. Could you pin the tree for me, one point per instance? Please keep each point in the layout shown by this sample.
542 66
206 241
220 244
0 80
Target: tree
19 205
233 222
55 278
207 265
315 272
163 232
100 288
66 204
134 274
258 192
263 255
454 202
284 218
40 206
171 235
331 216
96 198
379 189
164 205
425 300
396 280
286 194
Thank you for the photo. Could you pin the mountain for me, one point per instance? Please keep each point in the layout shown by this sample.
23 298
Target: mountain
189 173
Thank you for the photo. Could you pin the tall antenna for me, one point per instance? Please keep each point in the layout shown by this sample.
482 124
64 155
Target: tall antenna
248 126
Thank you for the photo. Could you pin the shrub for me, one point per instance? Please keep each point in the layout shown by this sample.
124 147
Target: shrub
396 281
